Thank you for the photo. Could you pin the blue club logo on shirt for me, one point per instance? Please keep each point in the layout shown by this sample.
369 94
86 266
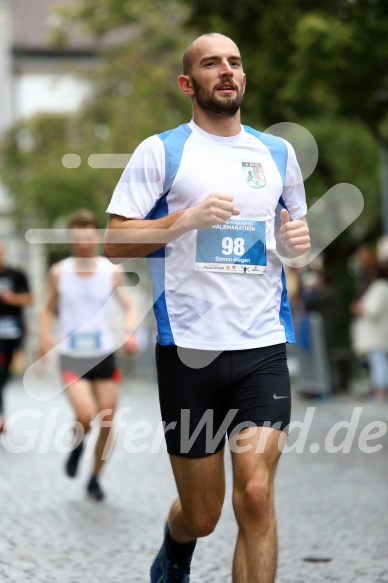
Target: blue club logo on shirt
254 174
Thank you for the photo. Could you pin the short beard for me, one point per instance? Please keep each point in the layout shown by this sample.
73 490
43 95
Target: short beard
208 101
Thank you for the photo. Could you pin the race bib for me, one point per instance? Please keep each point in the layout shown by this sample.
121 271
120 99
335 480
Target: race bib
9 328
85 341
237 246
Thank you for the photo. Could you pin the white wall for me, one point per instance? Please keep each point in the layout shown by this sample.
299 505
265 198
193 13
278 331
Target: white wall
48 92
27 87
5 67
6 106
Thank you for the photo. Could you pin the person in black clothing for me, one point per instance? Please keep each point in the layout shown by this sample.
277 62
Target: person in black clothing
14 295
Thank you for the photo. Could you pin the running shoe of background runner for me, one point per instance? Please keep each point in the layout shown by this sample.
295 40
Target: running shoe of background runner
94 490
72 462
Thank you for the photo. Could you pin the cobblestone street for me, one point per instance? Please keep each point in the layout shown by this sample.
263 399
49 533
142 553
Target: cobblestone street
332 507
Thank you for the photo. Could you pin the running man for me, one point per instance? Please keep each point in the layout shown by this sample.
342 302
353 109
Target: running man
80 291
14 295
186 200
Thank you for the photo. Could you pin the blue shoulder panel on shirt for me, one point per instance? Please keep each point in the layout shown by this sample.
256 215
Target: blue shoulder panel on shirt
277 148
174 142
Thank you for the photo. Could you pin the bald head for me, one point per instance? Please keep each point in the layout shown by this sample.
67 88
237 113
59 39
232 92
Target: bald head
189 54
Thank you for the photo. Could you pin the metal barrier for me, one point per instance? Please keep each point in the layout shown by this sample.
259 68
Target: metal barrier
313 374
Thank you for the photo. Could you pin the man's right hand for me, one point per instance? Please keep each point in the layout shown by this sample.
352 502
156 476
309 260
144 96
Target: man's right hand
214 210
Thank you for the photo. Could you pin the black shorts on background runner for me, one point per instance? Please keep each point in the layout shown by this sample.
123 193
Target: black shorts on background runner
91 369
251 386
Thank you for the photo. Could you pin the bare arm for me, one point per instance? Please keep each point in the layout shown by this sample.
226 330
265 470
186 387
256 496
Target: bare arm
16 298
130 317
123 295
48 313
128 238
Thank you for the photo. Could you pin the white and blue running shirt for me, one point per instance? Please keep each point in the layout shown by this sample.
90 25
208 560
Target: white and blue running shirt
221 288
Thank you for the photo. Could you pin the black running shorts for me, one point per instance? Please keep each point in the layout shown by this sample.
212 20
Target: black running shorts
238 389
91 369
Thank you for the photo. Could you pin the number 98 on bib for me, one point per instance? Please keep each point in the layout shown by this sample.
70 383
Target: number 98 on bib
237 246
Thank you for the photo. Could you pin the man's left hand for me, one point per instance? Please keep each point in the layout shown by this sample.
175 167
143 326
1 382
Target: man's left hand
294 236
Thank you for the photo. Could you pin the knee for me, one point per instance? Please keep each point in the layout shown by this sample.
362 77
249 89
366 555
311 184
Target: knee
254 500
84 419
203 521
203 525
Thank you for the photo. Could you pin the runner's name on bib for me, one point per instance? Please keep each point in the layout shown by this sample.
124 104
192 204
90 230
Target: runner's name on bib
234 247
9 328
85 341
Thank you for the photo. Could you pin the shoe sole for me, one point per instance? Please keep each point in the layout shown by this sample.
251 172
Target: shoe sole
94 498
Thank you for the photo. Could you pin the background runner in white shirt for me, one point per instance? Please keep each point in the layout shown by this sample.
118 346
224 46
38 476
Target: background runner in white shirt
81 290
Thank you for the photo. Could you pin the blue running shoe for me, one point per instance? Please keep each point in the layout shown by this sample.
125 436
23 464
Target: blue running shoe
168 569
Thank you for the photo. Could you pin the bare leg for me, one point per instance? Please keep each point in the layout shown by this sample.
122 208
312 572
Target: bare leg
255 558
201 490
106 393
81 397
